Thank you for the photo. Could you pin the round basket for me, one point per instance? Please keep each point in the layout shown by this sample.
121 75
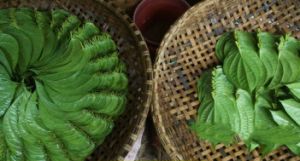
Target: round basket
134 53
188 50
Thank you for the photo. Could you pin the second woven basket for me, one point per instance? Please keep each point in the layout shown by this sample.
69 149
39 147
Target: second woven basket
188 50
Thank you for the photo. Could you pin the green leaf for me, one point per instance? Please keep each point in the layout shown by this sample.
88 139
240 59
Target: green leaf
281 118
295 148
25 45
263 117
10 48
25 21
215 133
276 81
294 89
205 109
243 67
246 113
225 110
3 147
33 148
204 85
267 44
252 145
5 66
34 125
43 21
265 96
65 130
12 134
216 108
7 93
280 135
71 23
5 16
287 70
220 84
224 45
292 108
266 149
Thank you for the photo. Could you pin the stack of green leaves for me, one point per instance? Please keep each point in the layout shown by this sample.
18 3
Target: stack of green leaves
254 95
61 86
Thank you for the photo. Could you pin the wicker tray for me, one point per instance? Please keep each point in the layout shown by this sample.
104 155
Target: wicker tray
133 51
188 50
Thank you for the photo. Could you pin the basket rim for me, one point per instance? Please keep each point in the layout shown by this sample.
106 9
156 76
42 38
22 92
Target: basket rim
160 129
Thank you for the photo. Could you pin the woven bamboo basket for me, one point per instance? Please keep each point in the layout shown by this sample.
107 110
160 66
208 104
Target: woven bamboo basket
187 50
133 51
125 4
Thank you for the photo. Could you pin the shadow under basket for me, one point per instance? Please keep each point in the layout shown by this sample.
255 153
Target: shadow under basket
133 52
187 50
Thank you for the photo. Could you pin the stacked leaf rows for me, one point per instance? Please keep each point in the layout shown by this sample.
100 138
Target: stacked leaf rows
254 95
61 86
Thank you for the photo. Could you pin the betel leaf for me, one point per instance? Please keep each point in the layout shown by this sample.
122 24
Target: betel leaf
271 136
216 115
215 133
204 85
225 110
282 118
294 89
265 97
292 108
281 135
289 59
205 113
2 143
263 120
246 114
295 148
25 21
204 89
263 117
224 45
10 48
288 70
267 44
10 128
244 67
7 93
267 148
205 110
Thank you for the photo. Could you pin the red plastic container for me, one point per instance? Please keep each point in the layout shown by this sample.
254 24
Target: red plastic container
154 18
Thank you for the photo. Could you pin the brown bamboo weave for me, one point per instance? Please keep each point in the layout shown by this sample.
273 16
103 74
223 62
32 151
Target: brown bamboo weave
132 50
125 4
187 50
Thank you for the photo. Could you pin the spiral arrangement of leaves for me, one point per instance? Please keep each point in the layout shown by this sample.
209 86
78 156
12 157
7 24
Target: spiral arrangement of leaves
62 85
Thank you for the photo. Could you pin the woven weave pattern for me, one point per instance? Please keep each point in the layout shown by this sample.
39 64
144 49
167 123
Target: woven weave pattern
133 52
124 4
188 50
